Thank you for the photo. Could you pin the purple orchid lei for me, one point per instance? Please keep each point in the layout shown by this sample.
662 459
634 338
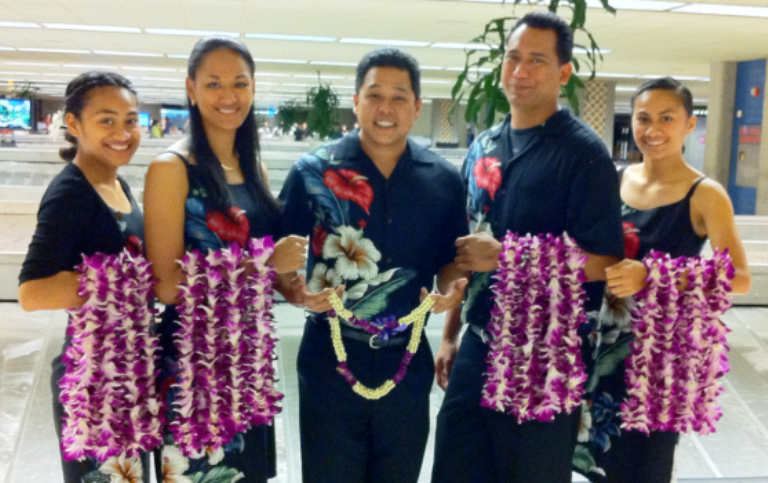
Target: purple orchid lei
680 349
109 391
535 369
226 346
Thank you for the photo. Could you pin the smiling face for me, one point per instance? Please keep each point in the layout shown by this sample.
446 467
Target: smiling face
108 127
531 74
386 108
223 90
660 124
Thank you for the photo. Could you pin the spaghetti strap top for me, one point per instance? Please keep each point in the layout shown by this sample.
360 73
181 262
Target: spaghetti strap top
201 233
666 228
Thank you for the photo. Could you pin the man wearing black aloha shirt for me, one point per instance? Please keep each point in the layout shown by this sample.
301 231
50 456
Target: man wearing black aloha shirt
383 215
539 171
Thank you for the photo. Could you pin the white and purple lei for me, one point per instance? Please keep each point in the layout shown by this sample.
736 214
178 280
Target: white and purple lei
680 350
109 391
226 346
535 370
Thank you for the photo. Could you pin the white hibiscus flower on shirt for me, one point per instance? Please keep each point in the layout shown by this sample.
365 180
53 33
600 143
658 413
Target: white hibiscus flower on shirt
355 255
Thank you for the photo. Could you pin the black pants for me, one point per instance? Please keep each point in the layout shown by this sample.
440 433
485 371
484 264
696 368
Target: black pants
478 445
347 438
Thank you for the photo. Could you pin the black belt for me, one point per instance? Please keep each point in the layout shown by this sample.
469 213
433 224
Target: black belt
373 340
484 335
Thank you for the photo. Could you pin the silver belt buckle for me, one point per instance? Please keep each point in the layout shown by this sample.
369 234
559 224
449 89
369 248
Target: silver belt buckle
370 342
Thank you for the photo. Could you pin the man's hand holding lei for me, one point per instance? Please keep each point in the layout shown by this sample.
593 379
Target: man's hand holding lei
478 252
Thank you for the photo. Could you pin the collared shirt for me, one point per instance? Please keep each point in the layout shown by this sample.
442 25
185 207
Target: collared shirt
563 180
383 238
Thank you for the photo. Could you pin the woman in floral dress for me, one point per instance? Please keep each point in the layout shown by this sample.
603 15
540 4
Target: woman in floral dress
670 207
205 192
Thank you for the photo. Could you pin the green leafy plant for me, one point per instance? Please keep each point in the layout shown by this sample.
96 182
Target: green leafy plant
291 112
323 102
480 81
24 90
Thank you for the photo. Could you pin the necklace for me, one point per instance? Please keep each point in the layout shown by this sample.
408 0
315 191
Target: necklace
415 318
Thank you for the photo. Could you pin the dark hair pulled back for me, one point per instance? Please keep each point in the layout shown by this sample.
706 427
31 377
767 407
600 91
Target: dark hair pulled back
76 98
677 88
212 175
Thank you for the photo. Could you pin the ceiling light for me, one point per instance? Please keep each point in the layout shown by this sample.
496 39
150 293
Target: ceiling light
7 48
94 28
55 74
582 50
132 54
716 9
178 56
90 66
192 33
271 74
400 43
649 5
342 87
304 38
309 76
20 25
461 69
626 89
456 45
168 79
135 67
54 51
19 73
298 85
281 61
34 64
128 54
340 64
429 67
259 83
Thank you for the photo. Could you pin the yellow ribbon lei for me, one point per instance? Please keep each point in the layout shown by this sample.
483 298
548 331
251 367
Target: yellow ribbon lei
417 318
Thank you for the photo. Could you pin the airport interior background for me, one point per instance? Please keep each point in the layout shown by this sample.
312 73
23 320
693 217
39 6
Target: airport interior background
717 47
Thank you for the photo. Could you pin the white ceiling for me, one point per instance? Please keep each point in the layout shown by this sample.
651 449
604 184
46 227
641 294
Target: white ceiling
641 42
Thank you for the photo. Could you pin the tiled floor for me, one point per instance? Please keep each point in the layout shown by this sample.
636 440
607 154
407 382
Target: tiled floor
738 451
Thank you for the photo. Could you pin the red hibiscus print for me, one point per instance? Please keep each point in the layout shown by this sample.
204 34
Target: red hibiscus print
348 184
134 246
318 240
362 223
631 240
488 174
232 226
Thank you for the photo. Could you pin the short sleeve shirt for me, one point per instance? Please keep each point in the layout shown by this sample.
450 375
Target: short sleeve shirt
74 221
563 180
383 238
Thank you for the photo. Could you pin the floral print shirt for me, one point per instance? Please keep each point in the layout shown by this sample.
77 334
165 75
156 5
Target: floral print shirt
383 238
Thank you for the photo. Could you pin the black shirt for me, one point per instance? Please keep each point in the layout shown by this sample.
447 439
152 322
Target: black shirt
560 179
74 220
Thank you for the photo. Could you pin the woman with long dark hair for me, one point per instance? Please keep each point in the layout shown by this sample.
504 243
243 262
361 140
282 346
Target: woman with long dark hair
670 207
87 209
205 192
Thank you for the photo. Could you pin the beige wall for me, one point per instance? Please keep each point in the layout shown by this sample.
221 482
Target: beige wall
722 97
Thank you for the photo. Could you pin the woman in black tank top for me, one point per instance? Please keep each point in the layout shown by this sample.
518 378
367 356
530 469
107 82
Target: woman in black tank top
669 207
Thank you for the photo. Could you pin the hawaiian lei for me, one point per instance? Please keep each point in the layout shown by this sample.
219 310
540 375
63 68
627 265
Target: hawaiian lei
415 318
225 381
108 390
680 349
535 369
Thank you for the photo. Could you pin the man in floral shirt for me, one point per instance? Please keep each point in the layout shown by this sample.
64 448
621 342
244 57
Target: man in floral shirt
383 215
541 171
